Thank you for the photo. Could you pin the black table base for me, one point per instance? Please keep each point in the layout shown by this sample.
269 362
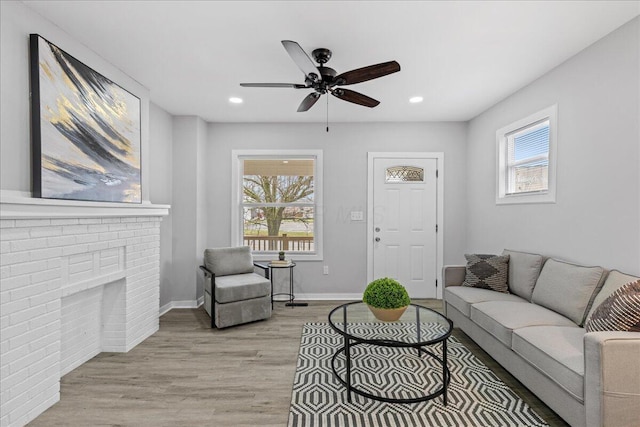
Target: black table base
446 375
268 267
297 304
421 344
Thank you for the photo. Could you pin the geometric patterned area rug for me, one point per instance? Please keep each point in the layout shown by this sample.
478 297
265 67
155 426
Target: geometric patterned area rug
476 397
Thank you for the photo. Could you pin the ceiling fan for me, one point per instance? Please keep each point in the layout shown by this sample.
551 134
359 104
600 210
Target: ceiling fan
323 79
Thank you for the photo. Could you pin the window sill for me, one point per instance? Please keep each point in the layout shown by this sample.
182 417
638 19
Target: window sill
516 199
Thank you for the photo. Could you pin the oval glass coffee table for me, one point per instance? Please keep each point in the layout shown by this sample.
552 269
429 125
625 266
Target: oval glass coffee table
407 344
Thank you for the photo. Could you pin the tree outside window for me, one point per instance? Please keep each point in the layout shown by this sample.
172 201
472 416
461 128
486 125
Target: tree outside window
278 204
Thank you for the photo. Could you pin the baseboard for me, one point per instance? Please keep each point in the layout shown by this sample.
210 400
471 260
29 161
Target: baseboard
329 297
180 304
300 297
306 297
185 304
165 308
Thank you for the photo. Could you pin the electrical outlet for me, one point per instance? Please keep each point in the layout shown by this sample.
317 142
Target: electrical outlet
357 216
325 269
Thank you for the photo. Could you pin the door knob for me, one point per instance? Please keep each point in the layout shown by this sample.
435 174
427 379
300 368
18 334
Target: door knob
377 239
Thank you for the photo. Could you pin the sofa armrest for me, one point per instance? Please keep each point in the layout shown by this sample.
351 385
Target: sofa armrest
612 378
453 275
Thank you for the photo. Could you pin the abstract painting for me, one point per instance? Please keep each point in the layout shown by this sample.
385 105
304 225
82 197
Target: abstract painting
85 130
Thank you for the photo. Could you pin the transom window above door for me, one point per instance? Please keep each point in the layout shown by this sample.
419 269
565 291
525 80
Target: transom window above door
396 174
276 198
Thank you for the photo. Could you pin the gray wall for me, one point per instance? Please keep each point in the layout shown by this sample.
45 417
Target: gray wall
596 217
17 21
345 150
161 175
183 210
186 163
202 213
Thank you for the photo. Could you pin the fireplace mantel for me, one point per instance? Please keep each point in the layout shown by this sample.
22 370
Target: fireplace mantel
19 205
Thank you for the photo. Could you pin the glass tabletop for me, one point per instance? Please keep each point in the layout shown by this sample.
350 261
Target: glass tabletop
417 326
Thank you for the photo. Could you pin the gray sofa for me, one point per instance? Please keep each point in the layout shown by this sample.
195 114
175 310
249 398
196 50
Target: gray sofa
537 333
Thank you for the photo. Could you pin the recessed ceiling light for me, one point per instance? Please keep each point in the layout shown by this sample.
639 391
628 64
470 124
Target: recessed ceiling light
415 99
235 100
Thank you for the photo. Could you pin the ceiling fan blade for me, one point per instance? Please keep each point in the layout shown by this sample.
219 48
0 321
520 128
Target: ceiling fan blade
367 73
355 97
302 60
308 101
291 85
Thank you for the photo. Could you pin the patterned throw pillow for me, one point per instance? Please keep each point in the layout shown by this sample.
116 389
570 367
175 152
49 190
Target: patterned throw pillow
487 271
619 312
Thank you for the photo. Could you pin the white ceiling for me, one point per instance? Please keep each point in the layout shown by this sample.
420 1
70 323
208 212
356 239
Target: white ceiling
462 57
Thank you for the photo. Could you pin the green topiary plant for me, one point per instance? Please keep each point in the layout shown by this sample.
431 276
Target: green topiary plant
386 293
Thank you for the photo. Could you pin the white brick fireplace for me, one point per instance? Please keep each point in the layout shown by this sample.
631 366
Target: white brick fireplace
75 280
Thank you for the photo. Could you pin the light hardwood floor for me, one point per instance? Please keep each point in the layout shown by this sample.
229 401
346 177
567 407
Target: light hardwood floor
190 375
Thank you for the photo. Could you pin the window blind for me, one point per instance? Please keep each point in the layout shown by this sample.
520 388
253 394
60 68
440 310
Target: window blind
528 159
532 143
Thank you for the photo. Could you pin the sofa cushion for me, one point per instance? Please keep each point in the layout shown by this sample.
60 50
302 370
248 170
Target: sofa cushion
524 269
241 287
619 312
226 261
566 288
615 280
487 272
500 318
556 351
462 297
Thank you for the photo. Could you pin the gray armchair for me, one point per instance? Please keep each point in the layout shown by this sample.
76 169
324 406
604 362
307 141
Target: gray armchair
233 293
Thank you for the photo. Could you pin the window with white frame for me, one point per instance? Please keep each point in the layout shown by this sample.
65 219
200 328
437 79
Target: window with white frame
277 195
527 159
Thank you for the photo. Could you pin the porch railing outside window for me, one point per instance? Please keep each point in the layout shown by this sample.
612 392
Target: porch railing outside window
280 243
278 204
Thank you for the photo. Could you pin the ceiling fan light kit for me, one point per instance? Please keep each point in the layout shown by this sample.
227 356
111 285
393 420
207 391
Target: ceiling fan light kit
323 79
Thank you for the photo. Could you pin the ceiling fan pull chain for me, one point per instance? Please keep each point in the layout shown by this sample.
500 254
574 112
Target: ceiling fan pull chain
327 114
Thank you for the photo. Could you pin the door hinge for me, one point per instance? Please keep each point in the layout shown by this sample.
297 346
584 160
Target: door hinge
436 173
436 283
436 228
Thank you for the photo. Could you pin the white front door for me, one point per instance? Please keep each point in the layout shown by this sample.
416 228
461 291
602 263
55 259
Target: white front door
404 222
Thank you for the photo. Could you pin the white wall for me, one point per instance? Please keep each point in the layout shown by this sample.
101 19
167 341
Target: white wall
596 217
161 177
17 21
345 150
